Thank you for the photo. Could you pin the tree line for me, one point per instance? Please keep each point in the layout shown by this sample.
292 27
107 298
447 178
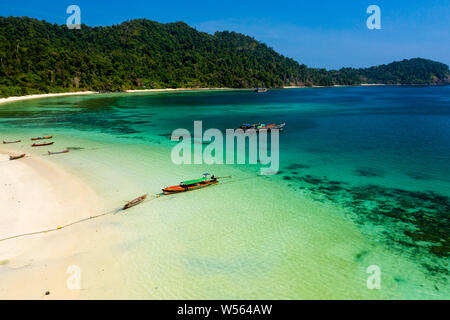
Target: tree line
40 57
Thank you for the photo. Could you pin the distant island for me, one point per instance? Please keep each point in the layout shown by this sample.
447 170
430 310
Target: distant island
40 57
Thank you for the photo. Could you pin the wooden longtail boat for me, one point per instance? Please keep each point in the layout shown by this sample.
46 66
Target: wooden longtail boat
192 184
42 144
41 138
58 152
16 157
262 127
6 142
134 202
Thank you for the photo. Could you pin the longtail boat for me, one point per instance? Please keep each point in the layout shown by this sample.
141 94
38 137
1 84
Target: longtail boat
41 138
262 127
42 144
134 202
58 152
16 157
6 142
193 184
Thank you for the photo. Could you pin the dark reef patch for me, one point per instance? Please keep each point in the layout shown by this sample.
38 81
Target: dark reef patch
133 137
122 130
367 172
417 176
416 221
296 166
141 122
436 269
312 179
360 255
398 280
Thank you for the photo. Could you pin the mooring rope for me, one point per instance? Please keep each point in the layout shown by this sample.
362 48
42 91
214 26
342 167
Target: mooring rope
156 196
61 227
72 223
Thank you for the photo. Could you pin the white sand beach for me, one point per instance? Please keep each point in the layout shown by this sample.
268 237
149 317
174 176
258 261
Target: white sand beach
37 195
334 86
50 95
183 89
44 95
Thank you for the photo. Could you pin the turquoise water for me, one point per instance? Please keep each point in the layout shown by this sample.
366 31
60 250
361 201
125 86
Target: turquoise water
364 179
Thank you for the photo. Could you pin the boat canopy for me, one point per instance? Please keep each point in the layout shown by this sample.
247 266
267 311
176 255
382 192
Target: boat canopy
190 182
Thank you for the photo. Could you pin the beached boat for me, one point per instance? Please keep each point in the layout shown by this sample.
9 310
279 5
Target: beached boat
193 184
41 138
262 127
58 152
6 142
42 144
16 157
134 202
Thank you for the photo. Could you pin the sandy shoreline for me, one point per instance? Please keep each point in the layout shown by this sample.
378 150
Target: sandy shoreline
44 95
183 89
335 86
37 195
50 95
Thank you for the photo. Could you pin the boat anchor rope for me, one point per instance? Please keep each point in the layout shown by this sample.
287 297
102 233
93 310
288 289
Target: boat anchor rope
72 223
127 206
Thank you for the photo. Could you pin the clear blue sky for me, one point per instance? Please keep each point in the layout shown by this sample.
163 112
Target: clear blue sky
329 34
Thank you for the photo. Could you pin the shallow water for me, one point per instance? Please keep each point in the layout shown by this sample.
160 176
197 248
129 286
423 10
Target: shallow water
364 180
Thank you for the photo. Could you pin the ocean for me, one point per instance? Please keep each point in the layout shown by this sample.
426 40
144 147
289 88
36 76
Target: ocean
364 180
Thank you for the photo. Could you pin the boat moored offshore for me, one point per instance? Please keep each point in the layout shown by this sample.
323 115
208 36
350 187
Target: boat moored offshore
195 184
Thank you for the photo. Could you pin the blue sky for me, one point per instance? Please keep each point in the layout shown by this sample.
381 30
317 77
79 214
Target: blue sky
329 34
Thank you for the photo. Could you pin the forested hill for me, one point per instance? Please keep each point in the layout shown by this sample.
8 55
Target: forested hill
39 57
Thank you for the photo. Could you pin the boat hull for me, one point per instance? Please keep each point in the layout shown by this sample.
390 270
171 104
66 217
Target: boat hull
179 188
134 202
42 138
42 144
59 152
16 157
268 128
